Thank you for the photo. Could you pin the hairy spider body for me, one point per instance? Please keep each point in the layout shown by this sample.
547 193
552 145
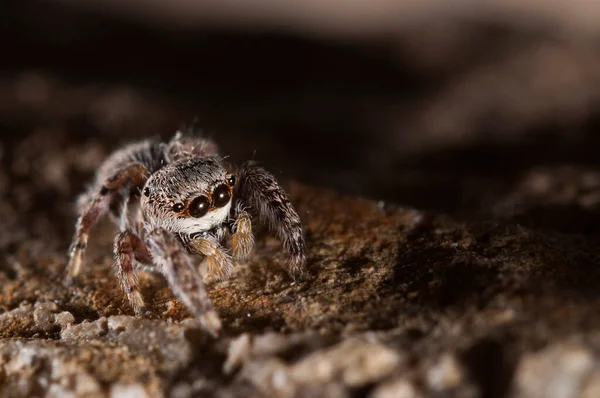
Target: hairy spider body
176 200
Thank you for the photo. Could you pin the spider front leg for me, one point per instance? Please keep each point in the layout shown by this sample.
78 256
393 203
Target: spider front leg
128 246
132 176
217 260
258 189
168 253
242 242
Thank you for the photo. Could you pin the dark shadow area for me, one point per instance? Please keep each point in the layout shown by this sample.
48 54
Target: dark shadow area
306 107
491 367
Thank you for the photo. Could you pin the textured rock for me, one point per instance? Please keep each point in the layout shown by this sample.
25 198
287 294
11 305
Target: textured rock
354 362
559 371
398 302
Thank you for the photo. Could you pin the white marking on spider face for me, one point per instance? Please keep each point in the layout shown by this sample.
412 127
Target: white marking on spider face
193 225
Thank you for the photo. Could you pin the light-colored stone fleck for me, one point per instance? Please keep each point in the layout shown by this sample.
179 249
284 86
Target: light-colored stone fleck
445 375
558 371
355 361
400 388
239 351
128 391
64 319
85 330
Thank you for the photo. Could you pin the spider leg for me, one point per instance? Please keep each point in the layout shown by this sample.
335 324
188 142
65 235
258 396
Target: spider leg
98 205
95 208
135 174
127 247
242 241
258 189
175 264
217 260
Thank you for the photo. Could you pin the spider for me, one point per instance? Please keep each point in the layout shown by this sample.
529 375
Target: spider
175 200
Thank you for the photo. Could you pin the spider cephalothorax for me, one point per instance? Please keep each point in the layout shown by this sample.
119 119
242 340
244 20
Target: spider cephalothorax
177 199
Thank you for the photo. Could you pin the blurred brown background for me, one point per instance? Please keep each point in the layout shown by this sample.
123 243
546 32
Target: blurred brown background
443 107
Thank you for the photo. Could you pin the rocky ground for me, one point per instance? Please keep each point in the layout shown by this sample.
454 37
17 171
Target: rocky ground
451 200
399 302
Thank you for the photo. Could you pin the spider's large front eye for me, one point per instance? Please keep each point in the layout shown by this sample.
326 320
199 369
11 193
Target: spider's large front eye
221 195
199 206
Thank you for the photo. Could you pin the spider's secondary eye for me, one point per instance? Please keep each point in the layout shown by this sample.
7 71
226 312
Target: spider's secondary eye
231 180
146 191
178 207
221 195
199 206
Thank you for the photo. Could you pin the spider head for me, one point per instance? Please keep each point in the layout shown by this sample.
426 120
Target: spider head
189 196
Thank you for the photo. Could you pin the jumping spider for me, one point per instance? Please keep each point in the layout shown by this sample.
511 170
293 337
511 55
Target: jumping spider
176 199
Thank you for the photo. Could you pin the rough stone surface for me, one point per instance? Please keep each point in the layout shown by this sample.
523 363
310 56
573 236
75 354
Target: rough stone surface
398 302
